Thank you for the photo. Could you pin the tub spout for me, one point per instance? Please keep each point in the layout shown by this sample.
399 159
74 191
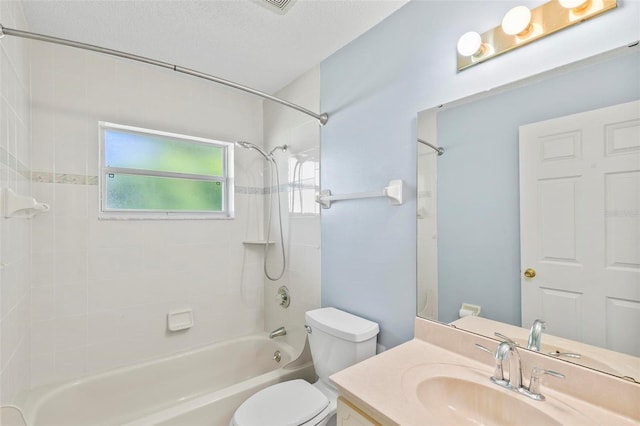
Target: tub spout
281 331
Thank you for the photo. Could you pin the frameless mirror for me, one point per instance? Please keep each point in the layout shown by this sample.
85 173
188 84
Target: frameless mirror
533 212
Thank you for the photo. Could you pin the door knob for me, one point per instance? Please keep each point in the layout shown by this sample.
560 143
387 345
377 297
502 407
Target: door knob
530 273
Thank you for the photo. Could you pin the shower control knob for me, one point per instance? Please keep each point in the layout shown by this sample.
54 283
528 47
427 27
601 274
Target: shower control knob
283 297
308 328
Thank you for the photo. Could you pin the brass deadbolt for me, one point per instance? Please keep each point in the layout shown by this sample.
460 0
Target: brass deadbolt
530 273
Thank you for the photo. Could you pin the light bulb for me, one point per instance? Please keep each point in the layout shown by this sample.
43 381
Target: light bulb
516 20
573 4
469 44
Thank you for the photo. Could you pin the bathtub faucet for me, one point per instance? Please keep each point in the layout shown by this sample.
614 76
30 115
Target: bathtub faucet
281 331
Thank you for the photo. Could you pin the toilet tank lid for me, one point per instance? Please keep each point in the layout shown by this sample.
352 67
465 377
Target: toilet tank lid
342 324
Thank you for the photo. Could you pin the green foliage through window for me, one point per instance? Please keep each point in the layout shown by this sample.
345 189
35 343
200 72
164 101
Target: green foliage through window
147 173
134 150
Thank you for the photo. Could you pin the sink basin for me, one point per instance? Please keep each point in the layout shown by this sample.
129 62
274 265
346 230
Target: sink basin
455 394
461 401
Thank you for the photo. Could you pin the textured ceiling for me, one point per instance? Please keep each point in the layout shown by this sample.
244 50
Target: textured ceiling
238 40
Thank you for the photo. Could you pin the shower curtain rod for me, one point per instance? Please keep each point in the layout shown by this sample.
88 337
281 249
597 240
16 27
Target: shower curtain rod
322 118
438 149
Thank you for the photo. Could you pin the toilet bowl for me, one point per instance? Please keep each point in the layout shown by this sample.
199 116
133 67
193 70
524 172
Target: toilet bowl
337 340
291 403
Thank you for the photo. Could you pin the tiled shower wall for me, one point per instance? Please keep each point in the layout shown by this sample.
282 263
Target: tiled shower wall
301 220
101 289
426 223
15 233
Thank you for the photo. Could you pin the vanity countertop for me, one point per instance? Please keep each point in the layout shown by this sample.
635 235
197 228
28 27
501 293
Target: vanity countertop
384 386
616 363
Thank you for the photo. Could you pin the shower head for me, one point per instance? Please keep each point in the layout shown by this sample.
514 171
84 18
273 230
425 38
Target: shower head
269 156
249 145
279 147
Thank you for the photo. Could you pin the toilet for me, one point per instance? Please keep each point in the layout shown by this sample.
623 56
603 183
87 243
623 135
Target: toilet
338 340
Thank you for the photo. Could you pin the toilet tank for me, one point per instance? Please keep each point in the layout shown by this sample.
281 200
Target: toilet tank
338 340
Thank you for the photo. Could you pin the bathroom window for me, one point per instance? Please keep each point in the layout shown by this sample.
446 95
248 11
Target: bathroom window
304 181
148 174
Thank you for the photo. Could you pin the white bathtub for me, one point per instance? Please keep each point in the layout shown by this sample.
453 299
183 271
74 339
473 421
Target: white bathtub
202 387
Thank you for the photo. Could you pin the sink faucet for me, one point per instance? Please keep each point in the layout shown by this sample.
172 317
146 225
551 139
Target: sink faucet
509 350
533 391
498 373
280 331
535 335
506 350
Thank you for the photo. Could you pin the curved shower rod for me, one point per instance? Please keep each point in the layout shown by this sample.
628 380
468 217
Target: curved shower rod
322 118
438 149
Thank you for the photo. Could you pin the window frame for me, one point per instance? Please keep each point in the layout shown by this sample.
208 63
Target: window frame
227 178
297 186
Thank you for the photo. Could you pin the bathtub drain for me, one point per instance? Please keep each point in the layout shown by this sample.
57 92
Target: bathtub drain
277 356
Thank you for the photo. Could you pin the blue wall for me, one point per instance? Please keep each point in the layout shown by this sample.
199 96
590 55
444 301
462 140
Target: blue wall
478 181
373 89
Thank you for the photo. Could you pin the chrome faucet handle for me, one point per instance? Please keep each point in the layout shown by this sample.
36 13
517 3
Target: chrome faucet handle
482 348
498 373
534 384
565 354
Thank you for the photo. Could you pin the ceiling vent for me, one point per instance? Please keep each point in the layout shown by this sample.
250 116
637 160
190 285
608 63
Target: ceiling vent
278 6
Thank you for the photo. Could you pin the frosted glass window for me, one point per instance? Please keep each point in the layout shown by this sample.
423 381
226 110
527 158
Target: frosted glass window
148 174
135 150
304 181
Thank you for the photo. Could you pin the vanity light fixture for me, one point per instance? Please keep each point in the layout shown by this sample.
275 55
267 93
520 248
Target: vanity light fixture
470 44
574 4
522 25
517 21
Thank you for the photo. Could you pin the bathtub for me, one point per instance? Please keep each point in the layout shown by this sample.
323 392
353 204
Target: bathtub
201 387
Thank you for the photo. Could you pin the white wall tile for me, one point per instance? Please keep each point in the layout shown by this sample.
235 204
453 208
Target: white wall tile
43 303
42 268
103 326
71 300
43 338
70 332
70 364
71 137
103 287
302 234
70 267
15 244
42 369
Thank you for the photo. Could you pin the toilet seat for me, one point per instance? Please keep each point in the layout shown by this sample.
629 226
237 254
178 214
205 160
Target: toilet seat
290 403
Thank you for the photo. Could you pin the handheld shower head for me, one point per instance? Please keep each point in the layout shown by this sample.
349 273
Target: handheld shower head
246 145
273 164
249 145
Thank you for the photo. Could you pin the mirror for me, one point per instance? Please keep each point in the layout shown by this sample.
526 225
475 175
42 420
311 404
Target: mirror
468 214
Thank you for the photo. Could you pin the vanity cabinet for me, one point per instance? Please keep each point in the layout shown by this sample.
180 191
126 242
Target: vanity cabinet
439 378
350 415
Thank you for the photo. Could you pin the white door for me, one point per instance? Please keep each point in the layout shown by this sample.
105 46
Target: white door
580 226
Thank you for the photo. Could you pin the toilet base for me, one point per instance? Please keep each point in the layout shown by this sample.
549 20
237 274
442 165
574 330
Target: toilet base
330 417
